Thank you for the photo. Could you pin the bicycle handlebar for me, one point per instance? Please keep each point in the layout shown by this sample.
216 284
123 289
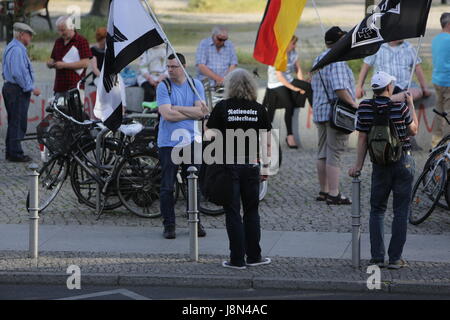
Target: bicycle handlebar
83 80
84 123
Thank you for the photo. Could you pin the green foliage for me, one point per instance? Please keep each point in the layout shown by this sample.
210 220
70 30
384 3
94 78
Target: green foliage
245 57
39 53
226 5
89 25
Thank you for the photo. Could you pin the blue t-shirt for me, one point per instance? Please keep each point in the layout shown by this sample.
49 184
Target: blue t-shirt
178 133
441 59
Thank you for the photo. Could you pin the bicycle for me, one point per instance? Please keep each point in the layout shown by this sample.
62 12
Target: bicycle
432 182
149 116
74 154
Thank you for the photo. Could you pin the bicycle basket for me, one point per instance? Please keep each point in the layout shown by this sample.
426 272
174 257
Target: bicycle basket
55 134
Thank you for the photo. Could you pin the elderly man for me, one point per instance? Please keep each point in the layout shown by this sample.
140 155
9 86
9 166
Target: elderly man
441 75
19 84
216 57
70 56
335 81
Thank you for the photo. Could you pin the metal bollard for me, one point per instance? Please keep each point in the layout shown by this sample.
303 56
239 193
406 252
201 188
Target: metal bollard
193 213
356 221
34 211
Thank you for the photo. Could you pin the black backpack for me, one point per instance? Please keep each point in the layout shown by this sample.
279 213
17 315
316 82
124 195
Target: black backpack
383 141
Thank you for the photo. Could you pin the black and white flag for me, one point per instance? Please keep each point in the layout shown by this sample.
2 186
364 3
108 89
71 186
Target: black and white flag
131 31
391 20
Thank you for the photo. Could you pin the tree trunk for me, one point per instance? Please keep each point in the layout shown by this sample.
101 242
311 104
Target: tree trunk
100 8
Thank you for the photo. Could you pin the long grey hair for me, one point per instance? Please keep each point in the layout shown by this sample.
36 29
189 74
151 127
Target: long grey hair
240 84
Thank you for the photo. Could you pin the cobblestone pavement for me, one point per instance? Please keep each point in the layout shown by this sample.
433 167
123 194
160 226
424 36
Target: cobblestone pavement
180 270
289 205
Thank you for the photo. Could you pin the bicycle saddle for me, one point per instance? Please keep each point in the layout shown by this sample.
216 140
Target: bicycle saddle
131 129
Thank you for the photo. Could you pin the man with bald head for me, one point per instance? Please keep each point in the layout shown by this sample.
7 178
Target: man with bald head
216 57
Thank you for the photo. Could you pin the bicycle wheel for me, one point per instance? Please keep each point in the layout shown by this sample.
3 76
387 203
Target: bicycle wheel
209 208
138 182
85 186
426 192
51 179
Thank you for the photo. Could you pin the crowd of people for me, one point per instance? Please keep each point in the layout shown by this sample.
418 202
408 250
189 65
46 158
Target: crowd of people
181 101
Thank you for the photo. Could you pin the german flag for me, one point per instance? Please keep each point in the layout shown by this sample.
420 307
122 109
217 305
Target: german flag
277 27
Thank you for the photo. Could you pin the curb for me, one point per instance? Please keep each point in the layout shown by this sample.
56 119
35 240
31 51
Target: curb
225 282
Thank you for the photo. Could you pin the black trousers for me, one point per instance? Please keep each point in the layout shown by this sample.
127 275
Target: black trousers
244 233
149 92
17 103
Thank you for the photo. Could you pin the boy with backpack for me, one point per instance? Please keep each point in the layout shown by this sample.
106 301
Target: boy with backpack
385 128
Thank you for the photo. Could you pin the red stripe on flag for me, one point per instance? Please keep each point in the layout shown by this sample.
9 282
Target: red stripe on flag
266 46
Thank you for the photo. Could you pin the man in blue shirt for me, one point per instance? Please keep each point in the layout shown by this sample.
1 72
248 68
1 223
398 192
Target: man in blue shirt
216 57
441 76
179 107
19 84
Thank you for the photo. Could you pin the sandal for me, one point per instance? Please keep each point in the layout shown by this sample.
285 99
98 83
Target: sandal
322 196
338 200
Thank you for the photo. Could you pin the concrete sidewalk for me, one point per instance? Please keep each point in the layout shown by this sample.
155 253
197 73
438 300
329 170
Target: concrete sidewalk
111 239
136 255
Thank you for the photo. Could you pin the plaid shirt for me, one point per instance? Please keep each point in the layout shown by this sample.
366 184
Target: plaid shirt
396 61
217 61
336 76
66 79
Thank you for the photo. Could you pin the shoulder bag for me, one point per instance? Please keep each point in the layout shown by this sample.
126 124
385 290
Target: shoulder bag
343 115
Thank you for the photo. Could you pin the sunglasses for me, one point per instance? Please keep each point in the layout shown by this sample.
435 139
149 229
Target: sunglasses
221 39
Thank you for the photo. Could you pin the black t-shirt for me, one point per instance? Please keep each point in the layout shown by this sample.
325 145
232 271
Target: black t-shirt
240 122
100 55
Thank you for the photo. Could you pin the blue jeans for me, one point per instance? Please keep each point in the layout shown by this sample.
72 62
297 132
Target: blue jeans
168 178
244 233
17 103
398 178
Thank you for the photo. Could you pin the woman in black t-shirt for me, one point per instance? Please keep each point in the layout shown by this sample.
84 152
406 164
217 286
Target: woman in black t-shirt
240 118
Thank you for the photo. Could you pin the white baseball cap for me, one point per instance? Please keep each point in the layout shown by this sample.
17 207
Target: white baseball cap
381 80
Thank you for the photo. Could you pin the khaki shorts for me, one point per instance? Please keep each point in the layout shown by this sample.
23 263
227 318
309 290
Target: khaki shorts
331 144
440 127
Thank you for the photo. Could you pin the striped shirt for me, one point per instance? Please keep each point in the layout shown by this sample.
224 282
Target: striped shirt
397 61
399 113
336 76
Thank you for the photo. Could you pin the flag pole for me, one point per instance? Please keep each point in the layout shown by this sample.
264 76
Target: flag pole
415 62
152 15
318 16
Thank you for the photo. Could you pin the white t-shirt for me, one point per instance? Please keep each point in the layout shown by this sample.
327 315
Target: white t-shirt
273 81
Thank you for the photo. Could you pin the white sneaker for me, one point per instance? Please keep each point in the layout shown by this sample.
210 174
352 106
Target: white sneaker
260 263
227 264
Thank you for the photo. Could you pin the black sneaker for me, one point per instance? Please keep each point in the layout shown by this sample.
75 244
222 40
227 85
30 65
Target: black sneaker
201 230
23 158
169 232
379 263
401 263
